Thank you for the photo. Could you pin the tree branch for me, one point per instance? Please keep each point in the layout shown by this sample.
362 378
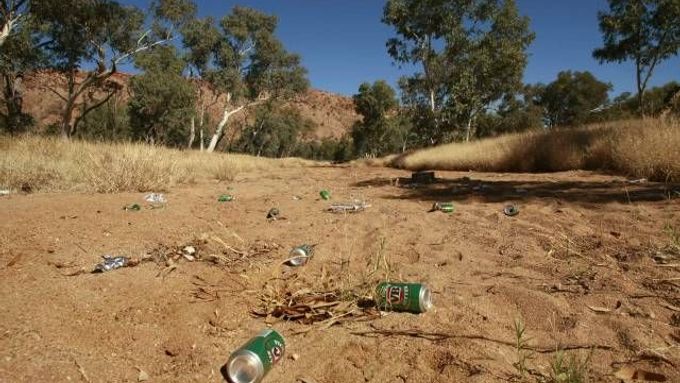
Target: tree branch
91 108
56 92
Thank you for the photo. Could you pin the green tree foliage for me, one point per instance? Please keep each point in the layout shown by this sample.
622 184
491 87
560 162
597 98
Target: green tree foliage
275 132
573 97
86 40
243 61
381 131
515 113
18 54
472 53
646 32
163 100
110 122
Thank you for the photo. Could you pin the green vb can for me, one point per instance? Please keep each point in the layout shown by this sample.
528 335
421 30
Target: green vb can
252 361
444 207
325 194
411 297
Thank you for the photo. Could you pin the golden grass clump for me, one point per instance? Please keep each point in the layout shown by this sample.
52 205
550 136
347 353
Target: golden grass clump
52 164
638 148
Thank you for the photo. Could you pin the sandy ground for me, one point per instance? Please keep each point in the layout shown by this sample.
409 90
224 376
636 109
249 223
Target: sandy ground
576 265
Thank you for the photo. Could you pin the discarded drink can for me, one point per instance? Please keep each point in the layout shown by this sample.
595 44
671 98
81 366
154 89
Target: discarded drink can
273 213
225 198
325 194
444 207
411 297
511 210
300 255
110 263
252 361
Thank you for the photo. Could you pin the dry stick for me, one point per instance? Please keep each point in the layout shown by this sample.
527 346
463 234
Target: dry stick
442 336
82 371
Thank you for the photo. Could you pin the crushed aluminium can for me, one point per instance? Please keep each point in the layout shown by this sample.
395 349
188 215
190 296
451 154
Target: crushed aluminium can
325 195
397 296
300 255
511 210
110 263
252 361
225 198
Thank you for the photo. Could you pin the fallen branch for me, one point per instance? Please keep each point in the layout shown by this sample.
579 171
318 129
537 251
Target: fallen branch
434 336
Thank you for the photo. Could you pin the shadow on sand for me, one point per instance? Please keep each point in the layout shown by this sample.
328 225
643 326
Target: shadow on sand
461 189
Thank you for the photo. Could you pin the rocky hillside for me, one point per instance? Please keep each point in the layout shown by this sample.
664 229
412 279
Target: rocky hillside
332 114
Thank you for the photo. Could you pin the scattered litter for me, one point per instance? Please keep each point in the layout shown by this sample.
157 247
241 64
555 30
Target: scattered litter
629 373
411 297
424 177
111 263
143 376
252 361
4 192
637 181
444 207
273 214
189 253
348 207
325 195
296 198
300 255
133 207
155 198
225 198
511 210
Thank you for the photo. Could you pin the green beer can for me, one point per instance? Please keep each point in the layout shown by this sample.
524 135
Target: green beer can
325 195
396 296
252 361
444 207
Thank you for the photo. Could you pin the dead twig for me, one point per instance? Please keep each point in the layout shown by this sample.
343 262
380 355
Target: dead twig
435 336
81 370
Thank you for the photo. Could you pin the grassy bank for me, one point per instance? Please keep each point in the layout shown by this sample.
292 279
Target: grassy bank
639 148
51 164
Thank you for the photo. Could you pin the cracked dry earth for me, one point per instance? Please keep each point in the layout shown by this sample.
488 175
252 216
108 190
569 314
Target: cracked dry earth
589 266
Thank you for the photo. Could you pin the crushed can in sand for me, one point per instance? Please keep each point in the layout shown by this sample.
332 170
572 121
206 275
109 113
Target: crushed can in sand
252 361
398 296
325 195
300 255
444 207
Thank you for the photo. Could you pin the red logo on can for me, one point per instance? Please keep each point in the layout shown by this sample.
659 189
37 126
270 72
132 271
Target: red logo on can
395 295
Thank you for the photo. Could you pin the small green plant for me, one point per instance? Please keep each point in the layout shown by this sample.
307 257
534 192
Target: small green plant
570 369
522 348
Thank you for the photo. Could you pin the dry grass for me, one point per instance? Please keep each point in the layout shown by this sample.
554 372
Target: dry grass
639 148
51 164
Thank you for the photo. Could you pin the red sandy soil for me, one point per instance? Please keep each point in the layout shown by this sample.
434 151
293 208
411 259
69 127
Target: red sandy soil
577 265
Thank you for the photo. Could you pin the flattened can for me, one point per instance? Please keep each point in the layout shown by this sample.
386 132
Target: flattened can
396 296
252 361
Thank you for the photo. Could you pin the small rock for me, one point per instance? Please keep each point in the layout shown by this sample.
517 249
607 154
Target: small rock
143 376
295 356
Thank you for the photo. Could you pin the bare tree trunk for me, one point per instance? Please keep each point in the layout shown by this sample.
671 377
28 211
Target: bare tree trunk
432 105
192 133
219 132
469 127
202 140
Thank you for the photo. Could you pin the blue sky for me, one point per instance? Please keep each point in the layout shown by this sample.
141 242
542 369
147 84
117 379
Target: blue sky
342 42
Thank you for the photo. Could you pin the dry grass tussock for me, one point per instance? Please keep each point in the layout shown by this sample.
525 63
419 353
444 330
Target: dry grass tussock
638 148
52 164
